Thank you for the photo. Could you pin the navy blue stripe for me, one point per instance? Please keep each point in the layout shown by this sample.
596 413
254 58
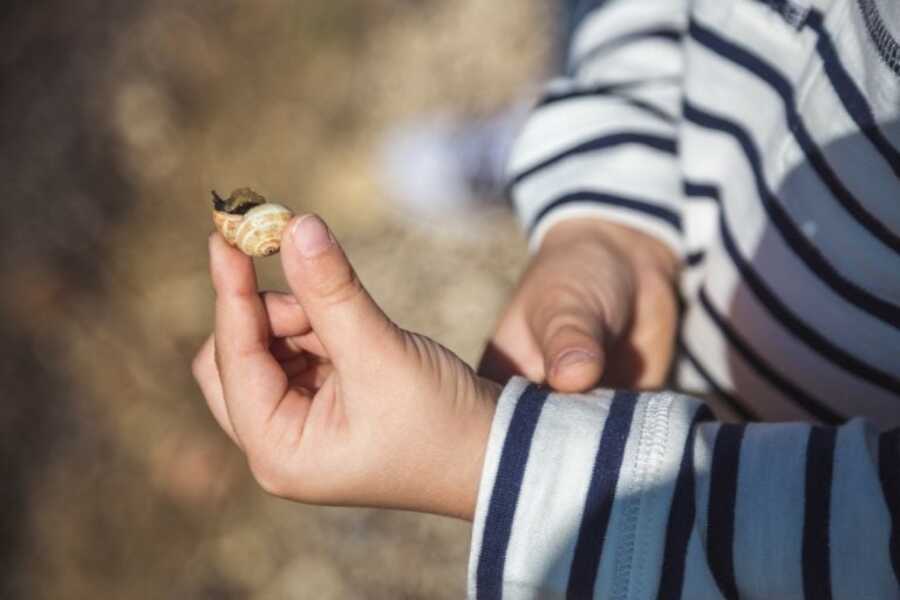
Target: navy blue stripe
505 495
812 338
727 397
722 499
584 197
605 89
694 190
606 92
648 108
633 102
851 97
817 514
794 393
885 311
619 88
781 313
681 517
702 190
657 142
600 495
789 10
695 258
666 34
889 473
782 86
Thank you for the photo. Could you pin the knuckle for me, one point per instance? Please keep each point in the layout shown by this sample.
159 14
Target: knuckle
566 327
566 305
549 316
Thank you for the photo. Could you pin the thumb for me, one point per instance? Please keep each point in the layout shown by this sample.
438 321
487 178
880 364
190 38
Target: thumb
572 342
343 315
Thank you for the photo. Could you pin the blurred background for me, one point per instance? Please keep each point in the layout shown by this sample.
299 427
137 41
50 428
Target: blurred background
117 120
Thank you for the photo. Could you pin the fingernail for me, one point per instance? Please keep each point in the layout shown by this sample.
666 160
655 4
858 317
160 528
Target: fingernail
311 236
574 357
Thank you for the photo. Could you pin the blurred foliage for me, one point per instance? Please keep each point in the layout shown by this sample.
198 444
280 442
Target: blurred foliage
117 118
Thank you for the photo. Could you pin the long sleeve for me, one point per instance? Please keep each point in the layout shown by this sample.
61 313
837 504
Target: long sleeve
602 141
619 495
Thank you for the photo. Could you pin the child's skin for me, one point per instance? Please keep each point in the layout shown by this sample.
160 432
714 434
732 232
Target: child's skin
334 404
596 305
331 402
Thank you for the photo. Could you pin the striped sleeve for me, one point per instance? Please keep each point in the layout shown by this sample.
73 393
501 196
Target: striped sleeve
602 141
616 494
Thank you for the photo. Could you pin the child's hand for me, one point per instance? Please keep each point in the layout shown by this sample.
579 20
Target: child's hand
596 305
331 402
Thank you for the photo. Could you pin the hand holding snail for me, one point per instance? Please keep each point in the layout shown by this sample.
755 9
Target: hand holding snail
249 223
331 401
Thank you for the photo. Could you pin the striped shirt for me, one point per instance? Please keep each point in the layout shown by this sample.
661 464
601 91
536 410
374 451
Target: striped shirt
759 140
619 495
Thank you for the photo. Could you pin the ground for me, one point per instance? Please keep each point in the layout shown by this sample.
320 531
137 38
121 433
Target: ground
117 120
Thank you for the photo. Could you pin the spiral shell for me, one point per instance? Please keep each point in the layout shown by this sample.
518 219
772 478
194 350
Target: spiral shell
250 223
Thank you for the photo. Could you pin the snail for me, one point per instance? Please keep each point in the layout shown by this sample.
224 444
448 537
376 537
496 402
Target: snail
250 223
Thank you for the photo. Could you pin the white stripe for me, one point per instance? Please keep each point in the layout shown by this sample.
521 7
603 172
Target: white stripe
879 83
560 126
848 246
655 482
610 171
808 369
700 218
664 95
692 277
546 523
782 270
704 443
645 437
853 251
859 537
768 519
758 26
689 380
620 17
859 164
642 58
733 372
506 406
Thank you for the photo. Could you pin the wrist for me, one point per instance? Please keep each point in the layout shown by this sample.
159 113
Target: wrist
648 256
458 476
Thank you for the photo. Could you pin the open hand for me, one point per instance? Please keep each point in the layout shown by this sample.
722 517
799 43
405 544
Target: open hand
596 306
332 402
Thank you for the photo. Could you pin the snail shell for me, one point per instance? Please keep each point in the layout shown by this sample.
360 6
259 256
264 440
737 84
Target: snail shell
250 223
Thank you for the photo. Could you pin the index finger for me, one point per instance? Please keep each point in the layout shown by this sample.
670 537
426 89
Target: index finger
253 382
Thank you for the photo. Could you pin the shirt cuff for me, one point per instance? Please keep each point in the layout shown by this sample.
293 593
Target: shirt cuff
575 492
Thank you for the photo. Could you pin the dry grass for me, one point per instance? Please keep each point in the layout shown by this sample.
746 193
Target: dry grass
117 120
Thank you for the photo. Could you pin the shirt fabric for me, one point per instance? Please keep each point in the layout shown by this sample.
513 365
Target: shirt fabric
619 495
759 140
